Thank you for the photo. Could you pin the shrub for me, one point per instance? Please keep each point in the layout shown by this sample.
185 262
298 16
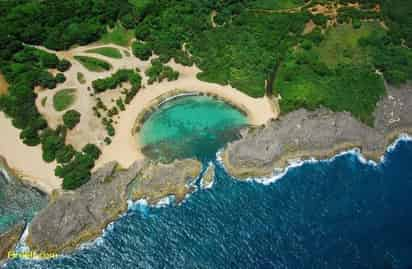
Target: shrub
65 154
60 78
71 118
141 50
92 150
63 65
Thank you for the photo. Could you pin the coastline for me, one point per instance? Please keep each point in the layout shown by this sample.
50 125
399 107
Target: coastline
318 134
293 159
26 162
125 146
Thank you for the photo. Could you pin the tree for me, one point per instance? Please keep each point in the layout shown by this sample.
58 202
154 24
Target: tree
63 65
60 78
141 50
65 154
92 150
71 118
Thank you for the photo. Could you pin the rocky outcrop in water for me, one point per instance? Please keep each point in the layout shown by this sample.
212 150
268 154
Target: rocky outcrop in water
208 177
18 204
321 133
81 215
157 181
10 239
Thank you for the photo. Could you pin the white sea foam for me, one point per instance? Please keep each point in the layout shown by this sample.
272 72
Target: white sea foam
178 96
165 201
278 173
21 245
5 173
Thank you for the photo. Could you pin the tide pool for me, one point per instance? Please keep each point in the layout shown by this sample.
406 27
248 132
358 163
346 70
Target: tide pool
190 126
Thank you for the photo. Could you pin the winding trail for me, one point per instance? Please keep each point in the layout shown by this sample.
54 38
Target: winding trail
124 147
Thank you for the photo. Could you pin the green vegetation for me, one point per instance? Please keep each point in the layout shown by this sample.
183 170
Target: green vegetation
76 172
336 69
275 4
93 64
63 65
112 82
122 75
63 99
141 50
107 51
119 35
71 118
158 72
341 45
52 142
80 78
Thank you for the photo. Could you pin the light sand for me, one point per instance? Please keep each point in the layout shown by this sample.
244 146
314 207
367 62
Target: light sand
124 147
26 161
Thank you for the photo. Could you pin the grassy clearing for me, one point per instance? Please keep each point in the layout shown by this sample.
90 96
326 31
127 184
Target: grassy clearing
63 99
341 44
118 36
93 64
107 51
276 4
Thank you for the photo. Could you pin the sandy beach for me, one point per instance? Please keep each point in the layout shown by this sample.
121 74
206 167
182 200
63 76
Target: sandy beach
124 149
26 161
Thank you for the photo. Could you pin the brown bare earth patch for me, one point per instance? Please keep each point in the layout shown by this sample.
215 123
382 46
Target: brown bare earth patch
309 27
4 86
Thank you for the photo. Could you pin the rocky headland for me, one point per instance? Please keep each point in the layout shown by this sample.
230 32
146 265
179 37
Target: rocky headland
322 133
75 217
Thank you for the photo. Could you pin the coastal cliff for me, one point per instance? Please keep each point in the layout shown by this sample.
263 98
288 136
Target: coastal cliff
75 217
322 133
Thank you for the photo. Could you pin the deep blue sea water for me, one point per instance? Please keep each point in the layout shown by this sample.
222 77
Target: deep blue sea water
333 214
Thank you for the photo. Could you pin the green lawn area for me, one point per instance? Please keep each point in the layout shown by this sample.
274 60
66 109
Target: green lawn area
341 44
63 99
107 51
93 64
118 36
276 4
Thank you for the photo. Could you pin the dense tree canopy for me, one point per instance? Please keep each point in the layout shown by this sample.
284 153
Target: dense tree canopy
243 45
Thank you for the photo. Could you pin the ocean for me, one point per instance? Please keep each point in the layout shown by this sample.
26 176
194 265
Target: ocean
340 213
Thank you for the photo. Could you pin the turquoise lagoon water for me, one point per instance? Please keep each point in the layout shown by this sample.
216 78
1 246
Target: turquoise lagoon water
340 213
190 126
18 203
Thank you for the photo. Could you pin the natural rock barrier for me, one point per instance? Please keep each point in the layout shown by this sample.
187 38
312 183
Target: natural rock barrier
79 216
322 133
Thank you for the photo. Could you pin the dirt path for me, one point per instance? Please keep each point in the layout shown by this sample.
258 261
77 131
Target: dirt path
124 147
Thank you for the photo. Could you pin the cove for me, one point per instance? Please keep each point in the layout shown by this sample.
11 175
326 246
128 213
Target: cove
190 126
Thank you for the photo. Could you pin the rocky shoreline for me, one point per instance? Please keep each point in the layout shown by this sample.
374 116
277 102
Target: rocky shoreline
319 134
78 216
72 218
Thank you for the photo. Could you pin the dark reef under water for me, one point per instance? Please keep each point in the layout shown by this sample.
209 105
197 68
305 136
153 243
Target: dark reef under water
341 213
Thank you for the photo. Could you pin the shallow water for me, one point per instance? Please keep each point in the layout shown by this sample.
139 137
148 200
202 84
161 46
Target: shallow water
338 214
18 203
191 126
